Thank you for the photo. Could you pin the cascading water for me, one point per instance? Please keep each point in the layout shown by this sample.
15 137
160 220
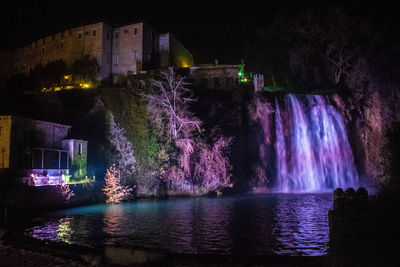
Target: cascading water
312 150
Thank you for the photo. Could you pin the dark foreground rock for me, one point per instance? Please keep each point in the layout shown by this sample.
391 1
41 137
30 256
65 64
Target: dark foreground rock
32 252
11 256
363 231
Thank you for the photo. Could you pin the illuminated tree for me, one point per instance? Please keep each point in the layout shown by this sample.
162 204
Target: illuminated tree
170 103
114 190
212 168
169 110
124 148
66 192
202 166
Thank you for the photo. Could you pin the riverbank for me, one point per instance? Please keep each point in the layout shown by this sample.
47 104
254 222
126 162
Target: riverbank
32 252
25 201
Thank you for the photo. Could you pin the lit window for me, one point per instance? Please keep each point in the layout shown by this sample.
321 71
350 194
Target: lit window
135 31
116 35
94 33
115 60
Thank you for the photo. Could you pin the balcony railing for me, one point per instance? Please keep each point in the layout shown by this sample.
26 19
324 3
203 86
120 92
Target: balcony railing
47 167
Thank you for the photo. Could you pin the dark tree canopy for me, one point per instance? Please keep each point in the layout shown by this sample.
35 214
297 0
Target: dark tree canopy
85 68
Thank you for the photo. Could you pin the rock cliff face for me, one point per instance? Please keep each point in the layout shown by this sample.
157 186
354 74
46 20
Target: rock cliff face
369 119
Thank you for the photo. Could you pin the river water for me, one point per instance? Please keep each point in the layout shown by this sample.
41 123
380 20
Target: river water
265 224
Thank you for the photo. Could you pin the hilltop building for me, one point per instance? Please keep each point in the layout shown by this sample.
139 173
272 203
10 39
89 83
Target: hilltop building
216 76
173 53
119 50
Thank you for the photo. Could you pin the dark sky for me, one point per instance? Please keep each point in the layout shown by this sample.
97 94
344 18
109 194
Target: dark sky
209 29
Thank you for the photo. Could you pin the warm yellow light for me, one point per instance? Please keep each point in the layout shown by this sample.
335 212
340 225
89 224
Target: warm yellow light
85 85
66 77
245 79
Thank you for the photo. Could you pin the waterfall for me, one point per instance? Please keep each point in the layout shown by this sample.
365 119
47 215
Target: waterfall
312 150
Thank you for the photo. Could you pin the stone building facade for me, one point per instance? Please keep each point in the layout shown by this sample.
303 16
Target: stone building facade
118 50
134 49
215 76
173 53
68 45
37 150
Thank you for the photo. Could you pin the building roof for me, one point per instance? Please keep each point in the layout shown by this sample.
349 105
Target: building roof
12 117
211 66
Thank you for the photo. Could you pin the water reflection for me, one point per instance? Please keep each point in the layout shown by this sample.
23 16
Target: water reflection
247 225
59 230
301 224
115 223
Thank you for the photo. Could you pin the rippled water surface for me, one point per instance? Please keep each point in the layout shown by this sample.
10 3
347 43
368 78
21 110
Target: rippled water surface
294 224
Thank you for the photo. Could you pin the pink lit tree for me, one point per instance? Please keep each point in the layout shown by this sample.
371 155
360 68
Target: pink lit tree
212 168
170 104
66 192
169 110
201 167
114 190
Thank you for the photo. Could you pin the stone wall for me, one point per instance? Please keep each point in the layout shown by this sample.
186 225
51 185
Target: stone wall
215 77
68 45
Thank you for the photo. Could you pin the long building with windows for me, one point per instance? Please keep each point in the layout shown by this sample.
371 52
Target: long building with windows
119 50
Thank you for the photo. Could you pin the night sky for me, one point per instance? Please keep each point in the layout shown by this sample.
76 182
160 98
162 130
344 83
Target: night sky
209 29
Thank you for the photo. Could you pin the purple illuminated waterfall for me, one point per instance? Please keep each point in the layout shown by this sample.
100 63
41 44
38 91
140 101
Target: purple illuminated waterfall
312 150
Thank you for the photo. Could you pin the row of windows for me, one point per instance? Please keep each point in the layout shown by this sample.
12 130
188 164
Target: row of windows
62 46
53 37
126 31
93 33
80 34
